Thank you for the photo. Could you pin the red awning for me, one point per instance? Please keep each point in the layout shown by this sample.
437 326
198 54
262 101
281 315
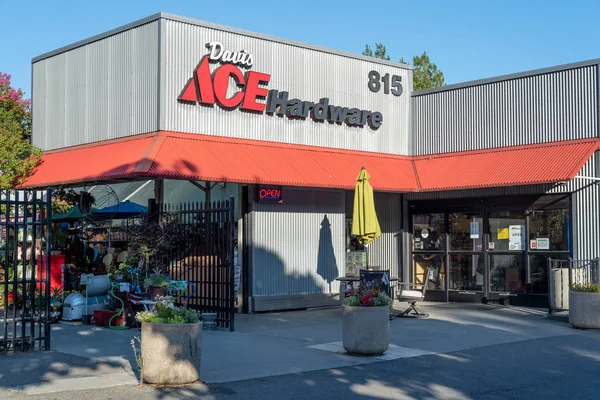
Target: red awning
210 158
508 166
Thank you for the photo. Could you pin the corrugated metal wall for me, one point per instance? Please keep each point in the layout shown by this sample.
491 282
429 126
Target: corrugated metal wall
103 90
547 107
297 247
306 74
586 212
385 250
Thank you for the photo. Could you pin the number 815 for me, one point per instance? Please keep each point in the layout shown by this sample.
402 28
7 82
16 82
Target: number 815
375 80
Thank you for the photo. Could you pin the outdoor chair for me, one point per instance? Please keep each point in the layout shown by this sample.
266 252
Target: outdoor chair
412 296
134 306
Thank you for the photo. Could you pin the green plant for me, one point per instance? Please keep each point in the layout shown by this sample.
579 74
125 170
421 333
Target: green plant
138 357
9 295
123 269
586 287
156 280
165 312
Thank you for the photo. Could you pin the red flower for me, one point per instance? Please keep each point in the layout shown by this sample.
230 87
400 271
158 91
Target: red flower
371 295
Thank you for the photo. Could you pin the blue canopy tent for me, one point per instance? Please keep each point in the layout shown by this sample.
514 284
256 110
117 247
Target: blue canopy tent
123 210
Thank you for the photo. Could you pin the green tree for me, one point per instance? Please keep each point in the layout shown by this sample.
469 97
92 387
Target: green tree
380 51
426 74
18 157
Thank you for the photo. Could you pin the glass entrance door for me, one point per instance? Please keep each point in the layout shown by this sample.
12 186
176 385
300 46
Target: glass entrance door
429 244
466 257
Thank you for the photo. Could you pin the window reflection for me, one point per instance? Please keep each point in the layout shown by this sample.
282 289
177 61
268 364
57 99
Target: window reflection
466 272
434 263
466 231
507 273
428 232
549 230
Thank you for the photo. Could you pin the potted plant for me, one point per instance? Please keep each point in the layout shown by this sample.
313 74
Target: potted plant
584 305
121 272
366 322
156 285
171 344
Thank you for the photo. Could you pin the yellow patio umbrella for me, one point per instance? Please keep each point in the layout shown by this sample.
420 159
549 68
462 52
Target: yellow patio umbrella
365 225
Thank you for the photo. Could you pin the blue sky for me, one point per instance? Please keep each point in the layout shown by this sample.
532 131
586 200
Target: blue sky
467 39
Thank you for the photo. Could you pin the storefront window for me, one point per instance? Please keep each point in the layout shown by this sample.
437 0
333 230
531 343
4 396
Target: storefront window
507 231
538 265
428 232
466 272
466 231
507 273
548 230
437 272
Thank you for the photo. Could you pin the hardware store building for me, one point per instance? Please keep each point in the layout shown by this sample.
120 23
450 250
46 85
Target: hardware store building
483 180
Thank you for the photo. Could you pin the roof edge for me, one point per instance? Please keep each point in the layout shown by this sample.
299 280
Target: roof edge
507 77
224 28
502 149
277 39
100 36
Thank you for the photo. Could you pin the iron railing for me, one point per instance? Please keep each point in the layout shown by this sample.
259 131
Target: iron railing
564 273
205 258
25 220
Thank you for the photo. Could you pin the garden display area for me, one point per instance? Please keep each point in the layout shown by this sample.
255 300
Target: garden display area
107 266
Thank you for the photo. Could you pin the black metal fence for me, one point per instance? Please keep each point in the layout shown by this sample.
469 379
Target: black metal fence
206 257
25 247
564 273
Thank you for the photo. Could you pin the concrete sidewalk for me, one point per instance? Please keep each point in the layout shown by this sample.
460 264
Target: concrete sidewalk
265 345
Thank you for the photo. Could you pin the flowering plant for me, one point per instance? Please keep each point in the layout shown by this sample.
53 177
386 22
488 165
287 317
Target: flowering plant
368 297
586 287
63 200
165 312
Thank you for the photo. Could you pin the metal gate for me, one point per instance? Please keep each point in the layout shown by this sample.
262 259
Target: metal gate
563 273
25 219
206 257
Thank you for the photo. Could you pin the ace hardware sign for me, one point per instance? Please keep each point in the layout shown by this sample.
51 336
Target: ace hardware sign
210 85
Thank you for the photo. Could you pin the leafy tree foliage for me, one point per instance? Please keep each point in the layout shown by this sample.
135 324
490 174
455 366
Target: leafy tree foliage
426 74
380 51
18 157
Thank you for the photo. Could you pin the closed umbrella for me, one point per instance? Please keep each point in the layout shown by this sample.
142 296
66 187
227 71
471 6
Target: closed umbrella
365 225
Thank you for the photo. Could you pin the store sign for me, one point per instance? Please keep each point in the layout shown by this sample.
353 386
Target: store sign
515 237
543 243
208 88
270 194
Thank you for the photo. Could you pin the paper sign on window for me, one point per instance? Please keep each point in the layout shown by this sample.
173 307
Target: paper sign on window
515 237
543 243
474 230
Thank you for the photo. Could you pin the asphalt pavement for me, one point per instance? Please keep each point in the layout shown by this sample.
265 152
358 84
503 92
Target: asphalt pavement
461 352
563 367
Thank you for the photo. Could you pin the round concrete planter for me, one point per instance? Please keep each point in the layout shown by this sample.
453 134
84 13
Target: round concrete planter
171 353
366 330
584 310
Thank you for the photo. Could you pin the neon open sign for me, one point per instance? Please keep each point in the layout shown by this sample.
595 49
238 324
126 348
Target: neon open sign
270 194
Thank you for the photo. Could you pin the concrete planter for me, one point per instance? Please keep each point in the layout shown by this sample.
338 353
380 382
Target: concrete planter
171 353
366 330
584 310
